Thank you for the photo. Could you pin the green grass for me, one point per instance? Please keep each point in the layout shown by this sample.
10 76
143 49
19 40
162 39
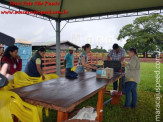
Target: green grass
148 79
145 110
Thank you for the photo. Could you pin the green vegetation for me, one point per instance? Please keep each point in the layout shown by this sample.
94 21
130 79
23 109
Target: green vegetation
145 111
144 34
97 50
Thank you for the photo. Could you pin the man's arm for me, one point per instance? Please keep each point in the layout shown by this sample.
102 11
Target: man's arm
123 56
109 56
65 58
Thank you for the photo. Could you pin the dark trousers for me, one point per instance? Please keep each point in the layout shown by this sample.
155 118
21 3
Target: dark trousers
115 84
68 69
131 89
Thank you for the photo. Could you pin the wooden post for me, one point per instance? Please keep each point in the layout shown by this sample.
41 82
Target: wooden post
99 110
62 116
91 57
97 58
102 56
162 57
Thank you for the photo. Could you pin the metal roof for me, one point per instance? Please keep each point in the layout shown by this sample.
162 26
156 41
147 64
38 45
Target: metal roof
53 43
22 41
89 8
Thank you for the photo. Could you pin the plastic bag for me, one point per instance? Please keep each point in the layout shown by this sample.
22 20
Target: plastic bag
86 113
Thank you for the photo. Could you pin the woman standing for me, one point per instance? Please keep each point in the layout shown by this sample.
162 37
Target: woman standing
132 78
34 66
11 61
83 59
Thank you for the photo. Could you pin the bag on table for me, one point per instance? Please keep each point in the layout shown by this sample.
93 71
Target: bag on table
71 75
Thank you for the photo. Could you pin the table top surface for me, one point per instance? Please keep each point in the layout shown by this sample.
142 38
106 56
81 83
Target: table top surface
64 94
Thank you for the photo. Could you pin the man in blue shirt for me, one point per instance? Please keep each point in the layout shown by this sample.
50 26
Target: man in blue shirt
68 59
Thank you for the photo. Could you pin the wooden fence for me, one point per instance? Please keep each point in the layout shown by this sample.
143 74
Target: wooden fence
49 61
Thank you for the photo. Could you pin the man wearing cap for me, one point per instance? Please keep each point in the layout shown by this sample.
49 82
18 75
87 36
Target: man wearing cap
68 59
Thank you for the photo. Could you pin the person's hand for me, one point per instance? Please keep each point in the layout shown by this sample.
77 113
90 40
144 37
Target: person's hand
123 63
43 77
95 68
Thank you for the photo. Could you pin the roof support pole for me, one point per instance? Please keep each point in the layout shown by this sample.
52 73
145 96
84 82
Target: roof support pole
58 61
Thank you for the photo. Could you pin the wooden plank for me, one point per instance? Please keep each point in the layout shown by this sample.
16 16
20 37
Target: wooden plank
49 67
47 63
47 59
53 71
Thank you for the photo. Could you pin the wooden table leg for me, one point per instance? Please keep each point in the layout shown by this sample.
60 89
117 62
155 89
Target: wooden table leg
62 116
120 84
100 106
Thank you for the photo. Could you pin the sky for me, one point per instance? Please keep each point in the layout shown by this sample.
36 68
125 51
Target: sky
98 32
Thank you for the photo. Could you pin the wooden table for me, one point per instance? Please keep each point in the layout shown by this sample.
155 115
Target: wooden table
64 94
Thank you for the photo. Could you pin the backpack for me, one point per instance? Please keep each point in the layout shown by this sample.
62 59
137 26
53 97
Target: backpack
3 81
71 75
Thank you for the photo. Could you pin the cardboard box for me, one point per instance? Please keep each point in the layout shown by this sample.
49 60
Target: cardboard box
104 73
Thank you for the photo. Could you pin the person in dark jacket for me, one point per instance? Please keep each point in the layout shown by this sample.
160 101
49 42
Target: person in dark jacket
11 61
34 65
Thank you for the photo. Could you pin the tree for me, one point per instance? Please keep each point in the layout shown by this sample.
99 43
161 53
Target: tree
101 50
144 34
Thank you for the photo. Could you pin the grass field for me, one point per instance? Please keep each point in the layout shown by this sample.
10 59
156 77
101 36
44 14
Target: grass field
145 111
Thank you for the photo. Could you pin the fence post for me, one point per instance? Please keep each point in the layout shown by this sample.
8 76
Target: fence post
102 56
91 57
97 58
162 57
145 54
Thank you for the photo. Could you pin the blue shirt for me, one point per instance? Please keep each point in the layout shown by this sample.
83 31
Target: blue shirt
69 60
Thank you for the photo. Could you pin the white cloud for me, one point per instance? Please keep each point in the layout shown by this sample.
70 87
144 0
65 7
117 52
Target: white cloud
39 31
101 32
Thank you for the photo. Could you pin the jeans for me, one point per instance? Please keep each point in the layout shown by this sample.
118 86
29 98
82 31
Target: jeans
68 69
131 88
115 84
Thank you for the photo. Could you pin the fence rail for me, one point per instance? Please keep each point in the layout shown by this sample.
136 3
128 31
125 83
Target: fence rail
49 61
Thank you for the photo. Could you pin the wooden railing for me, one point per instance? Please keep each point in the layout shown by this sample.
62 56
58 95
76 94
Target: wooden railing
49 61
